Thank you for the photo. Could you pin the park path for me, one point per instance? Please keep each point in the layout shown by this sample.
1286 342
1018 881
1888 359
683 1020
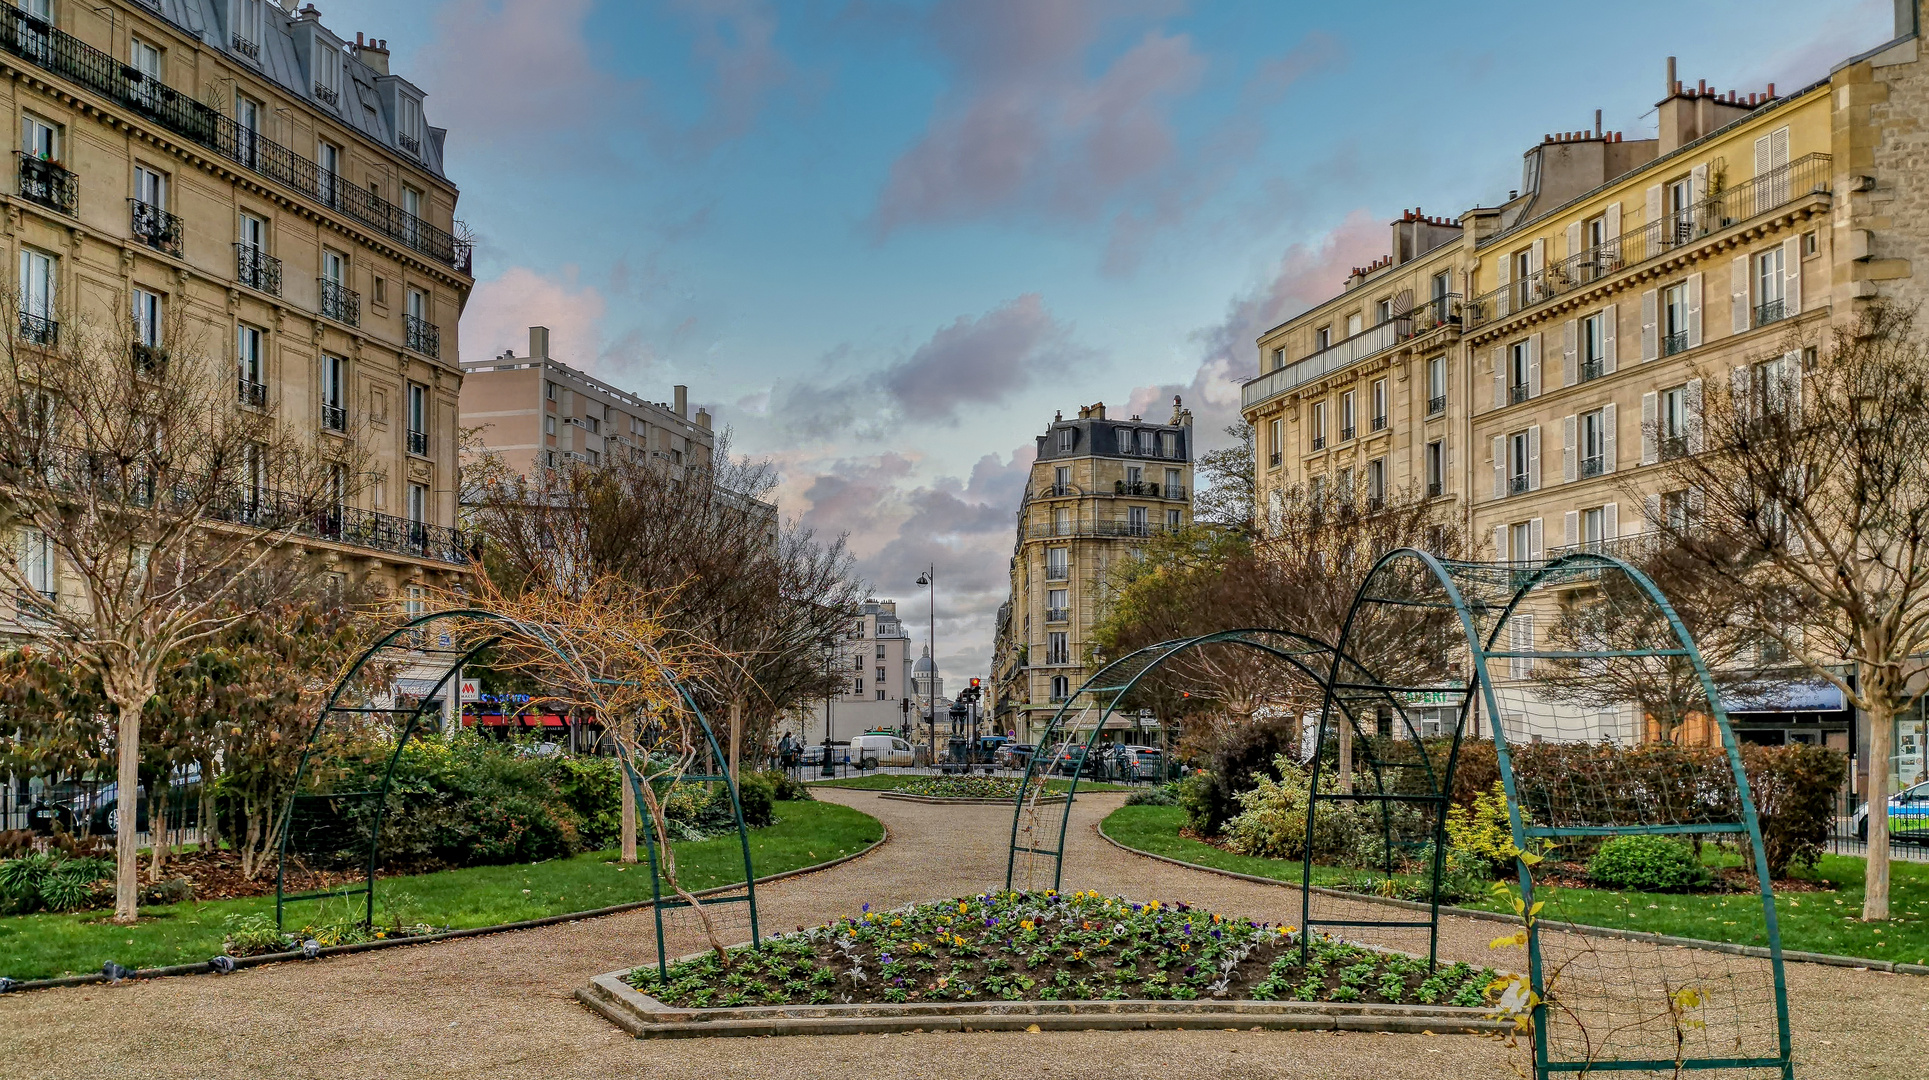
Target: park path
501 1006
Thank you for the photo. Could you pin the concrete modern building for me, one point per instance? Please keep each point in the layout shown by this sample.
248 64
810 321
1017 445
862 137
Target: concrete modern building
537 412
1100 488
875 657
1583 320
238 168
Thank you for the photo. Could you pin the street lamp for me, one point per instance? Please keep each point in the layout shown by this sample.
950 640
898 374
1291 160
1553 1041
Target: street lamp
929 579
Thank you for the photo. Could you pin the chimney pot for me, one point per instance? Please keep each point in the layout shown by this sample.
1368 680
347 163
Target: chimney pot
1673 86
1771 89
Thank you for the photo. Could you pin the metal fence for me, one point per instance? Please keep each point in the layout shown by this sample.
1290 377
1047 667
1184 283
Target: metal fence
1908 830
91 807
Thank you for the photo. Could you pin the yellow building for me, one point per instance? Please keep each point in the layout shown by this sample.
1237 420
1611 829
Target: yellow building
279 190
1099 489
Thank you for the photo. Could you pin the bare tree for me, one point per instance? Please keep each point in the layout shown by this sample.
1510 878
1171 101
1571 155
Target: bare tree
1809 501
140 473
1226 490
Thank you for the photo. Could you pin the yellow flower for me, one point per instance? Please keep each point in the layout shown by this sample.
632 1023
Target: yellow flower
1151 905
961 909
1183 947
959 939
1103 944
1024 924
900 922
1078 954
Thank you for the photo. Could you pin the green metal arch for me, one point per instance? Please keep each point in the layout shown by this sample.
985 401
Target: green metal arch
1031 785
534 631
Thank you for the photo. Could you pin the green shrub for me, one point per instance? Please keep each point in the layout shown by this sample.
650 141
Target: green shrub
1479 833
787 788
756 795
1647 864
1196 792
588 786
1271 822
49 880
1166 794
1794 788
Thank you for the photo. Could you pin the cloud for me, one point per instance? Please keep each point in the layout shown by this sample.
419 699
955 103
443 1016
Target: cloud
502 308
1023 127
736 41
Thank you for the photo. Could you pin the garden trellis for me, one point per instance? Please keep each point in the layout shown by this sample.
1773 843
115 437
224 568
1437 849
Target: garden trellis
394 691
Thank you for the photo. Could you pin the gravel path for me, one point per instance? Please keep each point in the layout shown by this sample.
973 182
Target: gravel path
501 1006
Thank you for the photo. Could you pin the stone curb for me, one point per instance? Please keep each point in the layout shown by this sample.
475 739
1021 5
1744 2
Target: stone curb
1733 949
240 962
647 1018
946 800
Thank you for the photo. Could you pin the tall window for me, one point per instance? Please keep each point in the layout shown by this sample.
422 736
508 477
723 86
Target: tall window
334 267
1348 415
247 119
37 274
1136 522
1594 346
1062 480
1172 522
1593 527
1274 442
408 123
150 187
147 319
1061 688
37 562
244 21
1593 435
1769 306
1674 421
1172 481
1061 521
1124 441
1319 425
248 356
418 418
1169 444
418 504
1376 483
411 210
1518 462
1681 201
1134 477
1379 405
146 59
1436 386
254 234
1058 564
1674 318
1065 437
1056 603
1148 442
1520 365
1436 467
1322 338
328 159
38 138
334 393
1520 542
1058 647
1383 312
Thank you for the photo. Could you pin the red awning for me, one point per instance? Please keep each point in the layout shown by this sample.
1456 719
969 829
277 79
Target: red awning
530 720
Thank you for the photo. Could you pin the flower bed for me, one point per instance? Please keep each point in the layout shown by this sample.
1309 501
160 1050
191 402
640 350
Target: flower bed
1048 947
961 787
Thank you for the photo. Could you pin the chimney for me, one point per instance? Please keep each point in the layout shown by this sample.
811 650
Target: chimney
703 419
1098 411
682 401
539 343
1671 87
372 52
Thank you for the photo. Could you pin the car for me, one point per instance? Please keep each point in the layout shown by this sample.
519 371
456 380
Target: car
1147 762
1908 815
884 749
1014 755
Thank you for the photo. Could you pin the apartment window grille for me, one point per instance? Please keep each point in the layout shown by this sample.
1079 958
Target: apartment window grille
1520 363
1436 468
1058 648
1519 472
1058 564
1379 405
1347 415
1593 346
1436 386
1674 309
1593 448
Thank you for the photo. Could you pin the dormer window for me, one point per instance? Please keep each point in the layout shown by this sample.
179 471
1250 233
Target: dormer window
244 27
1065 437
328 75
408 124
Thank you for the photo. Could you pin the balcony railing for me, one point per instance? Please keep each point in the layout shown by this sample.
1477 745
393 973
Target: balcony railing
1057 615
1435 314
419 442
327 95
1435 489
257 269
1058 573
1379 423
48 183
1593 369
39 330
1799 179
1147 488
100 73
1593 466
1272 459
1631 548
1770 311
1048 529
1346 433
251 393
247 48
1436 404
422 335
340 303
334 418
1674 343
1057 491
1517 485
156 227
148 359
1517 393
1319 442
410 143
1674 446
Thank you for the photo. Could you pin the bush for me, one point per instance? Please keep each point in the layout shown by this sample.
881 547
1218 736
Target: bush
787 788
588 786
51 881
1162 795
1794 788
1271 822
1648 864
1479 835
756 795
1241 754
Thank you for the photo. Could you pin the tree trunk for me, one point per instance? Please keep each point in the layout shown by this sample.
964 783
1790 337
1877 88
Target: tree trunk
628 815
1878 688
127 750
736 738
210 828
157 838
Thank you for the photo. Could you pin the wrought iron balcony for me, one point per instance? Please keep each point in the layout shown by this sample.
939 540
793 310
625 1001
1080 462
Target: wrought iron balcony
1379 423
1319 442
1346 433
1057 615
1593 466
249 49
1057 491
1058 573
1128 528
1436 405
1435 489
1437 313
340 303
1674 343
48 183
1517 393
1272 459
148 359
1517 485
251 393
39 43
410 143
39 330
419 442
1592 369
334 418
327 95
1674 446
1142 487
156 227
1770 311
422 336
257 269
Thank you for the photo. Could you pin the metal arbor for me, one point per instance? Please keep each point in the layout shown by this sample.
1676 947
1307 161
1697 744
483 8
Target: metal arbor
394 690
1037 834
1590 684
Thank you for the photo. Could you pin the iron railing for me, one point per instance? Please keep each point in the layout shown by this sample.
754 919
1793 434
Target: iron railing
48 183
1435 314
1436 404
1273 459
1435 489
148 359
334 418
410 143
257 269
39 43
1319 442
39 330
1149 489
327 95
247 48
156 227
1673 446
1593 466
1048 529
251 393
1674 343
1346 433
1057 615
1593 369
1799 179
419 442
340 303
1517 485
422 335
1770 311
1055 491
1517 393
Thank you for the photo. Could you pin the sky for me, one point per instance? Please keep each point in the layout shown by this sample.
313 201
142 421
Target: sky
884 242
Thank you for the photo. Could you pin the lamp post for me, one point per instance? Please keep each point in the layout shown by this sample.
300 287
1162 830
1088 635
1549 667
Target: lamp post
828 768
929 579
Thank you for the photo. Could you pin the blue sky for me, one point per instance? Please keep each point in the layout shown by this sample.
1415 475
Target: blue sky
884 242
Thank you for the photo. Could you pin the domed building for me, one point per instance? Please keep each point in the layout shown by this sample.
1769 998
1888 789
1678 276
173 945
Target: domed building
926 683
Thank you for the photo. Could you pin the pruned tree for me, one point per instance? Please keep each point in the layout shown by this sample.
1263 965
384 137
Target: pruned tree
137 473
1808 499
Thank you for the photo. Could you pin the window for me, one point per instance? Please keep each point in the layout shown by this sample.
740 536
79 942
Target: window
1519 462
1061 521
418 416
1376 483
1169 444
334 393
411 211
408 123
1436 386
1058 564
857 661
328 159
1681 201
254 233
1058 647
1808 243
144 58
1593 527
1675 510
1383 312
1061 688
1593 346
1322 338
594 425
247 118
1674 315
549 425
1348 415
417 601
1062 480
1172 481
1436 468
1136 523
244 24
418 504
1172 521
1279 359
1520 370
328 75
1674 421
1275 444
1520 542
549 391
1316 490
1057 601
334 268
1065 438
1134 478
150 187
248 356
1319 425
147 319
38 138
1775 383
1124 441
1148 443
1354 324
1593 443
1520 639
1770 303
1379 405
880 676
1344 481
37 563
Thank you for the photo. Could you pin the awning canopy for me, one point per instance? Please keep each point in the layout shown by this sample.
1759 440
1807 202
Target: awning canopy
1799 696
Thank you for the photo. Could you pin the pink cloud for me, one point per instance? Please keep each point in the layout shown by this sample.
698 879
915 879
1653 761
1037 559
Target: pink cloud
981 360
502 309
500 69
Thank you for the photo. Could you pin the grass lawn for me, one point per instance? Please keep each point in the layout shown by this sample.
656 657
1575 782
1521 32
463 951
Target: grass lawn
39 946
893 781
1825 922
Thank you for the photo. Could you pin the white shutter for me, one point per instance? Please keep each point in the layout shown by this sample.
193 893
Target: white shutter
1534 540
1505 267
1738 294
1610 520
1792 275
1610 332
1693 401
1607 438
1650 433
1762 158
1650 343
1534 458
1652 513
1570 362
1778 148
1500 471
1613 223
1571 528
1694 310
1500 377
1568 428
1738 391
1698 183
1534 365
1500 543
1538 256
1654 205
1573 239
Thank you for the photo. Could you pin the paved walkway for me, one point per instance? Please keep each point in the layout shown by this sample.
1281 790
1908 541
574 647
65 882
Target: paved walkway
501 1006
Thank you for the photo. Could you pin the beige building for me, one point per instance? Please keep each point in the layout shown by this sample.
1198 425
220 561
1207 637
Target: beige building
1599 306
1100 488
239 168
875 658
537 412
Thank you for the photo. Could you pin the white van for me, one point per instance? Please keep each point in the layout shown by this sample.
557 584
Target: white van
887 749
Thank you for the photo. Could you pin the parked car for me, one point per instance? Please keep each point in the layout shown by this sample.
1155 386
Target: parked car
884 749
1908 815
1014 755
95 808
1148 762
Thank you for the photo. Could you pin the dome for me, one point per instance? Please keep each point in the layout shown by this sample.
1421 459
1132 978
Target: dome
924 666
